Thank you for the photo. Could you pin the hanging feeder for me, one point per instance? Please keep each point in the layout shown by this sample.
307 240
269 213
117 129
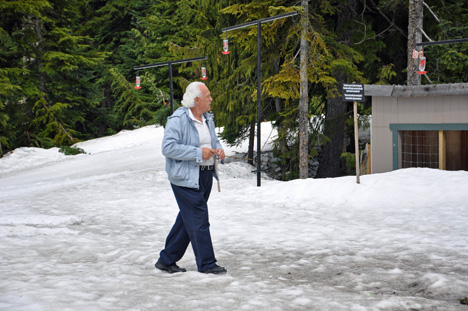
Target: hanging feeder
422 63
137 86
225 46
203 73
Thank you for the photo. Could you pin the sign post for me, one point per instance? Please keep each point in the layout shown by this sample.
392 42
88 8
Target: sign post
355 93
356 141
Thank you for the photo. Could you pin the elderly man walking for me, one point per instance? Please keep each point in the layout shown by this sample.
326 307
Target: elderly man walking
189 145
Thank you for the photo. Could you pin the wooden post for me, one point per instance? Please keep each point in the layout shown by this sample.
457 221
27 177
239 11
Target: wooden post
442 151
356 140
369 160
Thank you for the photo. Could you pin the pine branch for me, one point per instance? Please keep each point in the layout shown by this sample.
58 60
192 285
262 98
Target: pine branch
425 35
71 138
388 20
432 12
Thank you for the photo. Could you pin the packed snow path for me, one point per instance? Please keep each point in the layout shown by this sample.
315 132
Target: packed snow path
83 233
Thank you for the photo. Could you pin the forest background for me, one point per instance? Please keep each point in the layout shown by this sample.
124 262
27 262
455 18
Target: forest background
66 66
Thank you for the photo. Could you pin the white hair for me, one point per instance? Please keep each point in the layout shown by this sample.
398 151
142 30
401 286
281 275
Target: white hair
193 90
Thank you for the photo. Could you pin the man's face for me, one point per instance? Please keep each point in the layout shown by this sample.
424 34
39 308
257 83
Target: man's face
203 103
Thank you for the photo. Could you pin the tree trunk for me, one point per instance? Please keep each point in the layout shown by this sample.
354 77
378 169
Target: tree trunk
331 164
278 108
303 103
415 24
282 140
38 28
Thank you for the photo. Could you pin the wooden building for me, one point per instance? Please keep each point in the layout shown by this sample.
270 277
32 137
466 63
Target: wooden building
419 126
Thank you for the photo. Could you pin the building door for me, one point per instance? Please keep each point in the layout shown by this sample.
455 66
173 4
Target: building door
456 150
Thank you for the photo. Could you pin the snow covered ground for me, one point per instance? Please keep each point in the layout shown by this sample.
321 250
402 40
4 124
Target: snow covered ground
83 233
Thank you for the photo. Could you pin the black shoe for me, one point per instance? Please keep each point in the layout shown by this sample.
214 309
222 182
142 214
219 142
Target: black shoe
216 270
172 268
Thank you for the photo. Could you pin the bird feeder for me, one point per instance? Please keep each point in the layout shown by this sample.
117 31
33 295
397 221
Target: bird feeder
226 46
422 63
137 86
203 73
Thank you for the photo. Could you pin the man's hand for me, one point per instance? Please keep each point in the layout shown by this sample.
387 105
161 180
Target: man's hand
220 153
207 153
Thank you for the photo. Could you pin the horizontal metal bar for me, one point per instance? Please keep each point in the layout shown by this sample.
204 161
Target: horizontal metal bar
189 60
263 20
442 42
170 63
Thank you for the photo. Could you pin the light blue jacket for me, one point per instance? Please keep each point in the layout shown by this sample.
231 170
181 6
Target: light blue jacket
181 147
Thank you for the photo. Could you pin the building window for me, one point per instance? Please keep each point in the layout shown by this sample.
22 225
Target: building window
419 149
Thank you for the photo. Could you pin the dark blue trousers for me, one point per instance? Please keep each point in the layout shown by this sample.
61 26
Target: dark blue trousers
191 225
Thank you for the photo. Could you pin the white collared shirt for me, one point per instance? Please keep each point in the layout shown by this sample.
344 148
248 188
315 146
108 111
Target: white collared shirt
203 134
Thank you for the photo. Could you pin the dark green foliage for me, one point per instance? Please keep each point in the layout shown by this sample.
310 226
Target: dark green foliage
48 67
162 114
350 159
66 66
69 150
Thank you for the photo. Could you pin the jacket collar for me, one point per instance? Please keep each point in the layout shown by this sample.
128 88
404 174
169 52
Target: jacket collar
183 110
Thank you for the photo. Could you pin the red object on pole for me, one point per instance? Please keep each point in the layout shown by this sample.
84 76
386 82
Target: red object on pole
137 86
226 47
422 63
203 73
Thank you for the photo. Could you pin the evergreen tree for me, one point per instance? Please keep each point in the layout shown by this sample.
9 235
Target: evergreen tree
328 60
117 28
55 89
277 42
342 68
15 111
187 29
66 67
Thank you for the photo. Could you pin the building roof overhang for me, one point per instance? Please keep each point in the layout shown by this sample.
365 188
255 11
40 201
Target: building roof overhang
453 89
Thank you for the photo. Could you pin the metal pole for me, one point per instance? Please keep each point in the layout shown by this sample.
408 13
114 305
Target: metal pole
175 62
171 88
263 20
259 103
442 42
170 63
259 87
356 140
